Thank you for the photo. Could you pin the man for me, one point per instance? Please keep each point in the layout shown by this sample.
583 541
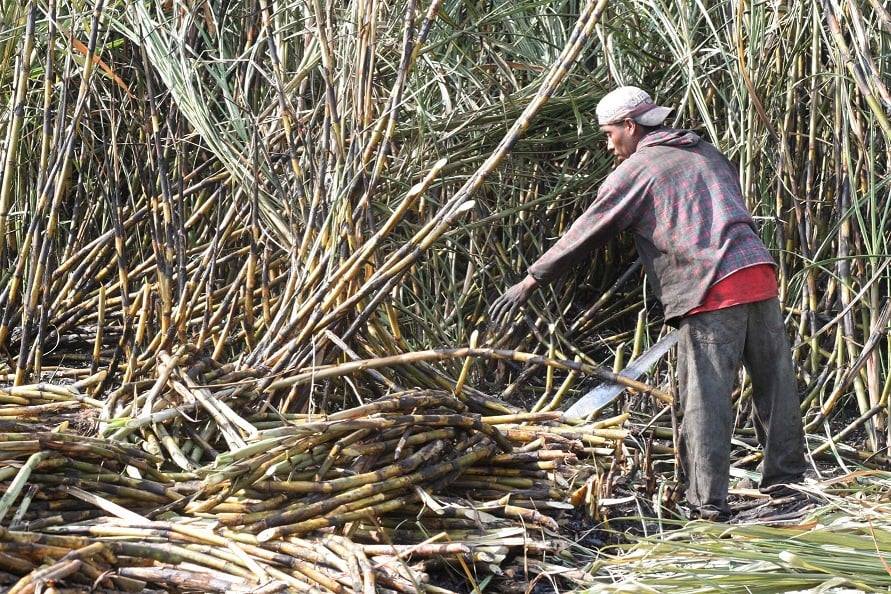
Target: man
682 200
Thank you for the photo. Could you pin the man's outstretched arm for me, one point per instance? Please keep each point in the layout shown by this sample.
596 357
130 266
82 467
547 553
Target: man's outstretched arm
614 210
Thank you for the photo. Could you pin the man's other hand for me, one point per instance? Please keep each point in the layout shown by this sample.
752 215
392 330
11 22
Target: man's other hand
505 307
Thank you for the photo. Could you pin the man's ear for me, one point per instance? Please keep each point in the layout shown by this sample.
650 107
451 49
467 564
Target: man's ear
630 126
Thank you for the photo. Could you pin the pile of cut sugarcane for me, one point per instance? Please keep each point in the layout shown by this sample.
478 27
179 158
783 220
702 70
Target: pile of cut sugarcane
377 495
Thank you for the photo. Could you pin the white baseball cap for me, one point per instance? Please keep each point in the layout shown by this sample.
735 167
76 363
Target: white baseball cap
630 103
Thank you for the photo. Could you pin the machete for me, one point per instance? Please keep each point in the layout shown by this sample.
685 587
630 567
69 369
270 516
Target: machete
607 392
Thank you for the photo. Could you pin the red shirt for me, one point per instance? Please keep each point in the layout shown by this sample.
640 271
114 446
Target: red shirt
746 285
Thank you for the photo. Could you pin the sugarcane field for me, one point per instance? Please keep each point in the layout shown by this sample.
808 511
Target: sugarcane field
445 296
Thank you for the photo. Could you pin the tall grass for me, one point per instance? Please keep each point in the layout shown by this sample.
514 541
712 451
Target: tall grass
217 169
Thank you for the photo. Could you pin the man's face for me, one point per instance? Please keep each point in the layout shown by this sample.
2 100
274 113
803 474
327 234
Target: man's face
621 138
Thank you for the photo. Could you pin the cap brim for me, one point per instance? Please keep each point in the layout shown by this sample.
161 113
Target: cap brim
654 117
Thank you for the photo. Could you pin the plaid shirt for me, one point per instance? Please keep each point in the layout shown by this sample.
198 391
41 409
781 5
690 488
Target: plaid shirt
682 200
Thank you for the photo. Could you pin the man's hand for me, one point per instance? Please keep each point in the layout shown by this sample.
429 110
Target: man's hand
505 307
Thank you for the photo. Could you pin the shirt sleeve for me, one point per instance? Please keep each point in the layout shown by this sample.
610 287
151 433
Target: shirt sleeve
614 210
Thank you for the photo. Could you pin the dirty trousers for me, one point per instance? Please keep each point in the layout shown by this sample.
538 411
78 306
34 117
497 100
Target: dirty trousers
711 347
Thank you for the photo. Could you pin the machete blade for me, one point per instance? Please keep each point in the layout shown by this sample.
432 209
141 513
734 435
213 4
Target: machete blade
607 392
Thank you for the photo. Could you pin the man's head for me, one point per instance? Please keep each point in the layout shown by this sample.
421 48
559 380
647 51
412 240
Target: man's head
626 115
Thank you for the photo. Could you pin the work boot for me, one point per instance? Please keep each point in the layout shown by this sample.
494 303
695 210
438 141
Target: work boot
787 487
710 513
782 490
780 509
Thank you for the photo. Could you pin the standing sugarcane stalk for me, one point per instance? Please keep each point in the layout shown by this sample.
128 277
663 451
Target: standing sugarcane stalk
14 130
